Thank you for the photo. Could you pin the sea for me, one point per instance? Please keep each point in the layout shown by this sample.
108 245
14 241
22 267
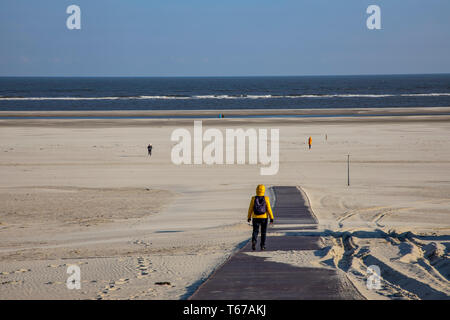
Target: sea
223 93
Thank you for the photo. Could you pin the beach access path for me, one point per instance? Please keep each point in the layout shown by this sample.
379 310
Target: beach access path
249 277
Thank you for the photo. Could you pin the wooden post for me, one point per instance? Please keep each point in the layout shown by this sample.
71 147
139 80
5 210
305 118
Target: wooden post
348 170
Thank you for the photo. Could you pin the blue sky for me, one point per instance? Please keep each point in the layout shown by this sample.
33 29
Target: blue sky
223 38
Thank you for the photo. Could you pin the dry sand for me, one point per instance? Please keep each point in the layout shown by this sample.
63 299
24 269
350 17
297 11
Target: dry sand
85 192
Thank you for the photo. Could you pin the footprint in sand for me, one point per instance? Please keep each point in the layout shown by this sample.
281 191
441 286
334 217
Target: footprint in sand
65 264
142 243
143 266
15 271
12 282
122 281
144 293
56 282
111 287
56 265
22 270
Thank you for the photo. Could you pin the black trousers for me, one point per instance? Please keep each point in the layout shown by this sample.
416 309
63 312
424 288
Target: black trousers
256 223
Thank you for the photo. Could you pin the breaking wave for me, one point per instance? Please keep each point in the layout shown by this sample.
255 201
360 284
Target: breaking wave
218 97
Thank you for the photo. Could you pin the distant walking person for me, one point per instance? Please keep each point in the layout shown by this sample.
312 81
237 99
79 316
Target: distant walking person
310 142
149 149
259 210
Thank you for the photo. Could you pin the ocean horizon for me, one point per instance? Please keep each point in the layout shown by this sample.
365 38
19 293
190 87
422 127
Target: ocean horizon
223 93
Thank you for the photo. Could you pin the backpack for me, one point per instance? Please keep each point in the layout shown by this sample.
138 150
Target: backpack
259 207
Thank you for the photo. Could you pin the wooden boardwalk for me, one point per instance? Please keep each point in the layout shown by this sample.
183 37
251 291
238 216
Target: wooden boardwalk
249 277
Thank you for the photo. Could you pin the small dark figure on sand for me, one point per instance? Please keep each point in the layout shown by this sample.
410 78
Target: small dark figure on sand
149 148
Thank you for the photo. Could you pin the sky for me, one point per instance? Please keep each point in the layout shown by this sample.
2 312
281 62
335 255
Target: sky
223 38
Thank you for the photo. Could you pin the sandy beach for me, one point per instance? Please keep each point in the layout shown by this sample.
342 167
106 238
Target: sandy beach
84 191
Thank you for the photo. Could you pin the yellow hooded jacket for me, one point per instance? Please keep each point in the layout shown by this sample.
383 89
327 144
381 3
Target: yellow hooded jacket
260 190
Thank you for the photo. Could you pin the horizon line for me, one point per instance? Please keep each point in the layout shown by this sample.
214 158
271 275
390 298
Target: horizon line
224 76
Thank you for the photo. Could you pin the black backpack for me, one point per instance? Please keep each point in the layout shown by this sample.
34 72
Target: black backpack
259 207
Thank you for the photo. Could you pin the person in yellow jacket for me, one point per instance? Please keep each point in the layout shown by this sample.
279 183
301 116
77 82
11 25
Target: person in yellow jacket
260 210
